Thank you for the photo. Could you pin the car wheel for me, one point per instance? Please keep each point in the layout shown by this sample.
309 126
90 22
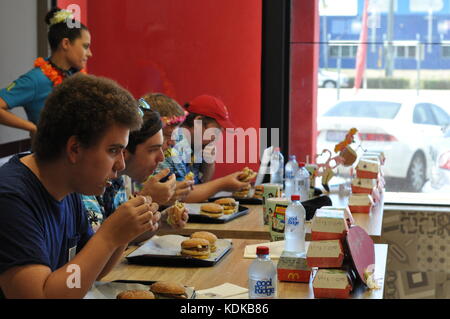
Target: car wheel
416 177
329 84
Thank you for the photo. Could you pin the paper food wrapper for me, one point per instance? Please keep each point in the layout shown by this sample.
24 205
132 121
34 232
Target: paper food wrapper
328 224
224 291
293 267
364 185
325 254
332 283
360 203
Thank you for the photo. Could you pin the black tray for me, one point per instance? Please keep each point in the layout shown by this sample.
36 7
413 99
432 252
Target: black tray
149 283
245 201
172 257
198 218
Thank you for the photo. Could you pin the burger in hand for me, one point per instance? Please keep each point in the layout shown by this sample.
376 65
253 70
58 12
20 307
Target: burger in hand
176 214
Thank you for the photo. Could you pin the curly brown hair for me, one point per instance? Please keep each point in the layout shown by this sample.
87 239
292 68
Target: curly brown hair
84 106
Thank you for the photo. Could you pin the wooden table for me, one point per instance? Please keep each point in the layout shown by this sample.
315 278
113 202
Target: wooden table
233 269
251 226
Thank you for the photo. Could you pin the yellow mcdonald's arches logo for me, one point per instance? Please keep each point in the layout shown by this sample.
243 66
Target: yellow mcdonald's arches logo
293 276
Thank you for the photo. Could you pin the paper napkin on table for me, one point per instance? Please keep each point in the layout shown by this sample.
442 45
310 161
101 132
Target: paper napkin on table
224 291
275 249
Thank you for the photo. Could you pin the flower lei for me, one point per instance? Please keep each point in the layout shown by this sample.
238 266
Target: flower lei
49 71
60 16
174 119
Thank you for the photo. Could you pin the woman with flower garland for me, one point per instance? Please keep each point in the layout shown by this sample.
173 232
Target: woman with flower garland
70 49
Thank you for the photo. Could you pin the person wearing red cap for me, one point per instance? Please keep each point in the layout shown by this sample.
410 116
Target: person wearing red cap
206 113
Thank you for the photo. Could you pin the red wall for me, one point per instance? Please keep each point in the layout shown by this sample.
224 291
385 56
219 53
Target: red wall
183 49
304 66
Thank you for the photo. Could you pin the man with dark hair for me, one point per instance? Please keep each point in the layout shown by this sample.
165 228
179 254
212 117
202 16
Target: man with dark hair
48 249
142 155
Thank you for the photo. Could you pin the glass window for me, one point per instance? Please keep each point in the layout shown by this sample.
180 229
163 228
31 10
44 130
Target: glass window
401 105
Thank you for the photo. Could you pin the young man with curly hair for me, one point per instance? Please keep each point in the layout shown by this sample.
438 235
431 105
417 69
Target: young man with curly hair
44 231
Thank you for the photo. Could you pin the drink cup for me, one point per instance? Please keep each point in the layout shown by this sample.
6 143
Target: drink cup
269 191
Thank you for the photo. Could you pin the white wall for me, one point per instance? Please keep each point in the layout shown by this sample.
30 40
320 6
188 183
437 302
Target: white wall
18 49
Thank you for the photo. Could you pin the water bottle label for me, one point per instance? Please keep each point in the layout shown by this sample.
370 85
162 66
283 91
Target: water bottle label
289 175
262 288
293 221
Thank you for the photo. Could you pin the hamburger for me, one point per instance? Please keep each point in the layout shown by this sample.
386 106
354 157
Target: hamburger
135 294
229 205
242 193
168 289
209 237
259 189
195 247
246 175
175 213
211 210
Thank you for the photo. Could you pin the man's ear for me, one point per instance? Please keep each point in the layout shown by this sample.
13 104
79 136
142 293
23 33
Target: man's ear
73 149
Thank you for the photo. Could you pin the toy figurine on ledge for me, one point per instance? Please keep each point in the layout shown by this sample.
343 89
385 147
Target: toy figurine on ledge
346 157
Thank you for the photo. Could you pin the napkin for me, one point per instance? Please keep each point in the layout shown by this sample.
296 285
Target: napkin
224 291
275 249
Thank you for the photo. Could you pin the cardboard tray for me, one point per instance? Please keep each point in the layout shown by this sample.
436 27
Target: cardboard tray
196 217
110 290
165 251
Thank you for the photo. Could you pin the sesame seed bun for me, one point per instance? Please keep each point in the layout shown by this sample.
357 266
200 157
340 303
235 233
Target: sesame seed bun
208 236
135 294
168 289
229 205
195 247
211 210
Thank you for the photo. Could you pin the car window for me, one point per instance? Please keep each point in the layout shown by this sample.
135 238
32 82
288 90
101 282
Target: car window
375 109
440 115
423 115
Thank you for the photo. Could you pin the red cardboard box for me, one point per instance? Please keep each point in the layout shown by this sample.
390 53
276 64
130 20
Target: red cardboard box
332 283
328 224
325 254
360 203
367 169
363 185
294 268
346 210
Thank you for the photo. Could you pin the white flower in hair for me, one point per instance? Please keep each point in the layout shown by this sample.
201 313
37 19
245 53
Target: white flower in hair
60 16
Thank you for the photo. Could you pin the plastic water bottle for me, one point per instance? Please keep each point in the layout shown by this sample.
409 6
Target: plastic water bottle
262 276
302 182
276 167
294 230
289 176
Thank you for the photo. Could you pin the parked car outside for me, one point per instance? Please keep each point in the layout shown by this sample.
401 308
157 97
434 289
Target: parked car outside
403 129
440 171
330 79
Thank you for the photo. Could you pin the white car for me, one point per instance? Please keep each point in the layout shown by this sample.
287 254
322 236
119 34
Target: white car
440 171
402 129
329 79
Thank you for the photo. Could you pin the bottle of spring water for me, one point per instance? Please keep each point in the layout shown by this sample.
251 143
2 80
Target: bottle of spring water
302 181
276 167
294 229
289 176
262 276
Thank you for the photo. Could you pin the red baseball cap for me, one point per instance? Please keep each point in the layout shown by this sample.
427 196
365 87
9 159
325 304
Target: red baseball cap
211 106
